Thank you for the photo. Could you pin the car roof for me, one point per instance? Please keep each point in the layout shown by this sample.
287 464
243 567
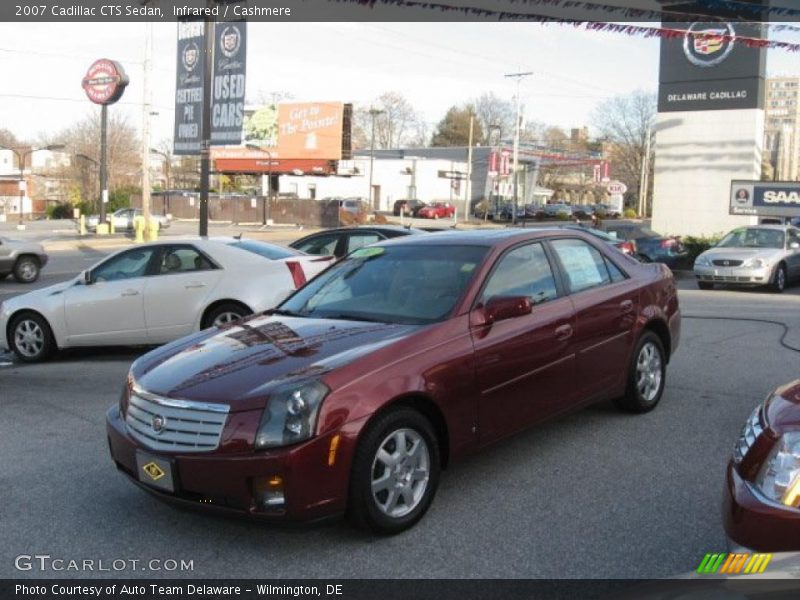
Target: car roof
766 227
478 237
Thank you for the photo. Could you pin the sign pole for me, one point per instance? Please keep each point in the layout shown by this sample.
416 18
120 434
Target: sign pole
205 143
103 161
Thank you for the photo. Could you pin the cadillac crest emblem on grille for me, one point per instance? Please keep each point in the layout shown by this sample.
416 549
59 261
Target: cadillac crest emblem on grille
158 423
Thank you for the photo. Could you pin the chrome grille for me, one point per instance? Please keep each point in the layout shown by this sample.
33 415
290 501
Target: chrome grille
172 425
727 263
750 432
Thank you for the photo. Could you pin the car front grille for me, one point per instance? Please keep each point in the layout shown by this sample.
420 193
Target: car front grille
727 263
172 425
750 432
730 278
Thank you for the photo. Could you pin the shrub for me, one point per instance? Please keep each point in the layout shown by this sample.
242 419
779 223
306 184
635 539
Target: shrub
695 246
380 219
629 213
59 211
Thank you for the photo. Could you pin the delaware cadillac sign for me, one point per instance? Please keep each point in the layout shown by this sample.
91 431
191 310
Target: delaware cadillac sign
105 81
765 198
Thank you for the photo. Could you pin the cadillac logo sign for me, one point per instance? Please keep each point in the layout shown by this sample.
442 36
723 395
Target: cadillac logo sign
105 81
230 41
158 424
191 54
708 44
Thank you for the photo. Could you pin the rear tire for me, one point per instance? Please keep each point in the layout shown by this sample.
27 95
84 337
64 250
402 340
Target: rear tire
31 338
26 269
704 285
395 472
225 313
643 258
646 376
779 279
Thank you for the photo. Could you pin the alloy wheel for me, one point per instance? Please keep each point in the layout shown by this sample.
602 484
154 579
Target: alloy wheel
400 472
226 317
29 338
648 372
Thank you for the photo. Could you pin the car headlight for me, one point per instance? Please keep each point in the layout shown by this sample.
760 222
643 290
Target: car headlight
750 432
291 414
754 263
779 478
702 261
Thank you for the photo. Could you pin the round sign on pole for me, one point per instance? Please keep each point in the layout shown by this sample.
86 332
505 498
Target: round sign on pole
616 188
105 81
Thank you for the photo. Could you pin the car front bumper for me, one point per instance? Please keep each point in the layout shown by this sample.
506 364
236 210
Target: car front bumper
733 275
753 521
227 482
5 313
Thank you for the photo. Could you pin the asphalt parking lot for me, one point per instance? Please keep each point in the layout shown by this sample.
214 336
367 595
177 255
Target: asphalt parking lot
595 494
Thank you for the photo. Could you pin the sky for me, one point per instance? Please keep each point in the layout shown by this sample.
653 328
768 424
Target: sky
435 65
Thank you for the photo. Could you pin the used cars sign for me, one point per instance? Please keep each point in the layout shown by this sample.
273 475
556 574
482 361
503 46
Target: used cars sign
765 198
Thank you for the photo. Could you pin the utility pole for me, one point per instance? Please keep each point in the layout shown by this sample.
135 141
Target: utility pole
205 142
519 77
468 186
146 109
643 178
374 112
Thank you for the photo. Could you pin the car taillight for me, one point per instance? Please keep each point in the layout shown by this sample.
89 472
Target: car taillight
668 243
298 276
627 248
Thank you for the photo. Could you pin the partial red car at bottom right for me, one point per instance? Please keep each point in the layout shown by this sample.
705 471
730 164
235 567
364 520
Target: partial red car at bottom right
761 500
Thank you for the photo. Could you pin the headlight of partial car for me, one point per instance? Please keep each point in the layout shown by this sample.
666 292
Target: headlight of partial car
779 478
754 263
702 261
291 414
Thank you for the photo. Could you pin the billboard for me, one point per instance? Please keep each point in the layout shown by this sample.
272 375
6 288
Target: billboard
765 198
708 70
300 130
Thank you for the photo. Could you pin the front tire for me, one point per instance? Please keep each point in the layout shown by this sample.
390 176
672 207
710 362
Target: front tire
646 376
395 472
704 285
31 338
779 280
225 313
26 269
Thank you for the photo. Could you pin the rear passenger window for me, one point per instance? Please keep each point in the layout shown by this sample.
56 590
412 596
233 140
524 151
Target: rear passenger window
613 270
584 265
524 271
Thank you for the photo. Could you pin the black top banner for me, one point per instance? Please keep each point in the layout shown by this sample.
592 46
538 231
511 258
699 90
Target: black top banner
189 88
401 10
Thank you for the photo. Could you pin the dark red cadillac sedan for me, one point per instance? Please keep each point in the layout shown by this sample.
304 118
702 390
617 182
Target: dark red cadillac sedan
355 393
761 500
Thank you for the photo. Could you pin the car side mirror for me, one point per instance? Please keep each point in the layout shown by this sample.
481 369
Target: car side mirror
794 245
500 308
87 277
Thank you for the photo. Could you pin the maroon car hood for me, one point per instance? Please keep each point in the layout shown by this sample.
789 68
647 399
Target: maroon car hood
240 363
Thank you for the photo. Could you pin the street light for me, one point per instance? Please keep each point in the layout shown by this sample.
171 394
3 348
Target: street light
21 156
167 167
519 77
267 201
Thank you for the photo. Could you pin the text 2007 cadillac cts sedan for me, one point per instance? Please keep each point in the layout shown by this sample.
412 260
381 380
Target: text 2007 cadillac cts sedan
355 393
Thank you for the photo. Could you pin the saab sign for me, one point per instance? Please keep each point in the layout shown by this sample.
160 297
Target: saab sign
765 198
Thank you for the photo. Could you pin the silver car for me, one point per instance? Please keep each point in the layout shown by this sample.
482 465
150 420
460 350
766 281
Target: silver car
24 259
123 219
762 255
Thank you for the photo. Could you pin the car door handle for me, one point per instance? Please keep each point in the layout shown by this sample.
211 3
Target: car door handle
626 306
194 285
563 332
130 293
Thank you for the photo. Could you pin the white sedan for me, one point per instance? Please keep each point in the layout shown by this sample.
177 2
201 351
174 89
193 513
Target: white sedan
155 293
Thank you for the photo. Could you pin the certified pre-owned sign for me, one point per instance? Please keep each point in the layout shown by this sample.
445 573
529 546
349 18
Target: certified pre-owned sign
765 198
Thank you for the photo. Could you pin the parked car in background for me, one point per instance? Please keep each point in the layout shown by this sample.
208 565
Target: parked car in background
624 246
354 206
558 210
763 255
650 246
342 241
761 497
606 211
437 210
409 207
154 293
123 219
24 260
356 392
583 211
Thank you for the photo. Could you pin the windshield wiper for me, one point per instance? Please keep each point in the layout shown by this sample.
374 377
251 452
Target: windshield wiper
351 317
285 313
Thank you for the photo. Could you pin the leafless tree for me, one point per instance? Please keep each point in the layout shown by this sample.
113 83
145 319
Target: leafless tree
625 122
396 125
494 113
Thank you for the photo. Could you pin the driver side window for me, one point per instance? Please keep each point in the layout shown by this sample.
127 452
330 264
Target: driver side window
524 271
127 265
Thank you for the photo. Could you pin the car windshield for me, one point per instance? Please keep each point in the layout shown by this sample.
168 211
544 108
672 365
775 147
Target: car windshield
266 250
752 237
390 284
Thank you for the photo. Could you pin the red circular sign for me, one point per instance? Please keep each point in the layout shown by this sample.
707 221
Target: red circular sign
105 81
